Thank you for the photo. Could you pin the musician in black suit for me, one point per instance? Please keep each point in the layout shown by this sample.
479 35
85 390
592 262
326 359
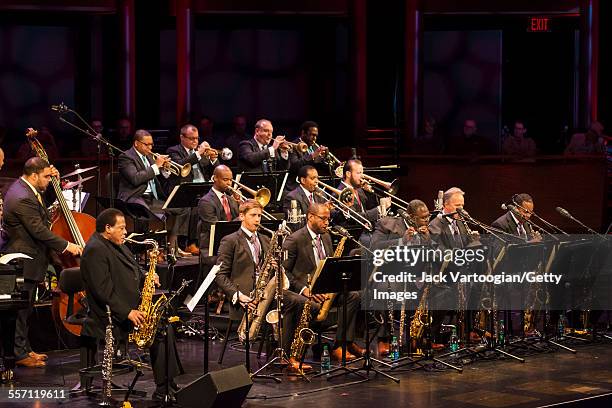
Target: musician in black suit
241 255
203 160
305 248
360 203
258 155
216 205
112 277
303 194
313 156
27 223
399 231
517 222
139 183
449 231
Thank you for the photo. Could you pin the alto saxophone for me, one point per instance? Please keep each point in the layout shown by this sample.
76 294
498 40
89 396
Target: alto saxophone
326 306
144 335
107 363
262 293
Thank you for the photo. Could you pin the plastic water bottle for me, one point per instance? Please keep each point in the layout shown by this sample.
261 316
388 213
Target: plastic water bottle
501 334
394 354
561 327
325 359
454 340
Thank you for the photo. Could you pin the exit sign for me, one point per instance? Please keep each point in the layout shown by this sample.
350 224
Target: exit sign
539 25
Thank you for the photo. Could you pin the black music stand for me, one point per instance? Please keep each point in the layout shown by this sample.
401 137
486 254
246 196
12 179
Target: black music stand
186 195
337 275
273 180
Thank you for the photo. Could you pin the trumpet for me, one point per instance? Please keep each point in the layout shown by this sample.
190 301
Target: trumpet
344 195
225 153
298 147
262 196
174 167
332 161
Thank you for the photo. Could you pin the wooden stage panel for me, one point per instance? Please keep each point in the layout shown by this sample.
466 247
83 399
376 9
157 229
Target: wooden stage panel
578 185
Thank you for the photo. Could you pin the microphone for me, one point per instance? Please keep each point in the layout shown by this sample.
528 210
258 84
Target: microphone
293 213
564 212
440 215
341 230
61 108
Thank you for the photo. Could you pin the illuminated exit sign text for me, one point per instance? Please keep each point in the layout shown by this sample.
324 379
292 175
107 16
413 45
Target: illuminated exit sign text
539 25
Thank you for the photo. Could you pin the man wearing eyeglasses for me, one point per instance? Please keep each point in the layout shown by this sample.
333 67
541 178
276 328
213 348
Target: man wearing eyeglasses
305 249
139 183
203 160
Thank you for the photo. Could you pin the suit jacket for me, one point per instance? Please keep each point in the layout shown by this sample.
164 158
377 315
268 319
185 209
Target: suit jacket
439 229
27 224
300 257
210 210
179 155
250 158
134 178
111 277
369 210
237 267
507 224
388 232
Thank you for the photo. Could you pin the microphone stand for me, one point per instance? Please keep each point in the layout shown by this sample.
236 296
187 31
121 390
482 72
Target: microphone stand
90 132
566 214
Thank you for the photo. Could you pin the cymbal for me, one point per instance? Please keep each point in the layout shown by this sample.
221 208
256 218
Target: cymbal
73 184
79 171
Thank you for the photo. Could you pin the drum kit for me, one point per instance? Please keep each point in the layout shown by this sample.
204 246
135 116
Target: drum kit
73 189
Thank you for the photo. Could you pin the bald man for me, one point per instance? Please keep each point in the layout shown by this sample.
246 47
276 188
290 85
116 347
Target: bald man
216 205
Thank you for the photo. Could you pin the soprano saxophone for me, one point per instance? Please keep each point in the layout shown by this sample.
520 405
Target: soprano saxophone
107 363
144 335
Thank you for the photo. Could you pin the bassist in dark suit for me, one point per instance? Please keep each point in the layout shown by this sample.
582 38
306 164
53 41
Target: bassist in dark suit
27 223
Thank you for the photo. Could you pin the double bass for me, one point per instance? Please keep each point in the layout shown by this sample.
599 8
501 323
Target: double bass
71 225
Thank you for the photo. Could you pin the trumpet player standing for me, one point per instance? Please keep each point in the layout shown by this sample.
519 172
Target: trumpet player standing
139 183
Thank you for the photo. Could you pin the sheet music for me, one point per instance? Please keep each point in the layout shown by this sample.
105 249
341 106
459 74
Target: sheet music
170 197
282 187
191 302
72 199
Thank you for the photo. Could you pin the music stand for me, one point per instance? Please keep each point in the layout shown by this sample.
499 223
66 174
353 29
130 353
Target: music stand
337 275
273 180
186 195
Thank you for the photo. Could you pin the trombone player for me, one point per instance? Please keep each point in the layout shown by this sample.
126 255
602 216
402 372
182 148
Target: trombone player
203 160
139 183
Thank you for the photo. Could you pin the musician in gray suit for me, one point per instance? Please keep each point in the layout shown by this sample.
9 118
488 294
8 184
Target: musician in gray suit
139 183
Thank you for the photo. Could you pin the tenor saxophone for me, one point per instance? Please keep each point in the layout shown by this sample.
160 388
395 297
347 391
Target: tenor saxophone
144 335
304 336
262 294
107 363
419 321
326 306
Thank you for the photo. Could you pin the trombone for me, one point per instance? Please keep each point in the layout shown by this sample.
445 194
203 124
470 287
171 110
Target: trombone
174 167
384 188
344 195
262 196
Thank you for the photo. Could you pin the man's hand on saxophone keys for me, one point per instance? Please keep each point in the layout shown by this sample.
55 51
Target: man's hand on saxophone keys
317 298
136 317
246 302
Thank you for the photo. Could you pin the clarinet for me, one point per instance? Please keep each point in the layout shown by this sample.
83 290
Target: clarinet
107 363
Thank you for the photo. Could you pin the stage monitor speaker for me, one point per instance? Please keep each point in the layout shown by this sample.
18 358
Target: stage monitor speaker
223 388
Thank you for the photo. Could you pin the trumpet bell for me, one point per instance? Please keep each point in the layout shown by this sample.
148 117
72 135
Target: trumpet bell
185 170
226 154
